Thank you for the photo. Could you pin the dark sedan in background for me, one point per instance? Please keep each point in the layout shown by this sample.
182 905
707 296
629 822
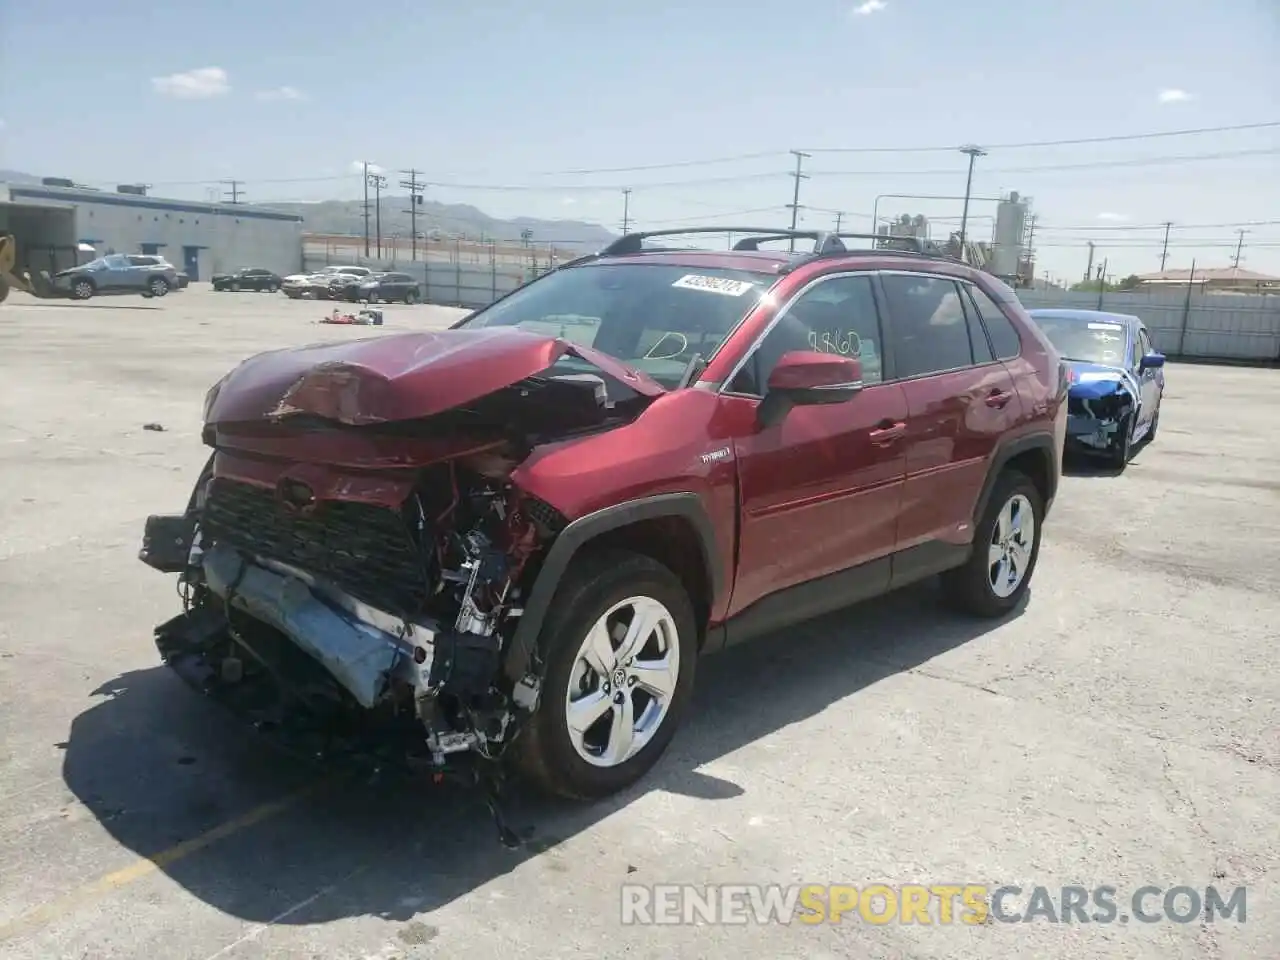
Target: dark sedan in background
383 287
247 278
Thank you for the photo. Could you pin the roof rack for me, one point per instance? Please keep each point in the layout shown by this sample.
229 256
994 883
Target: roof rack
826 243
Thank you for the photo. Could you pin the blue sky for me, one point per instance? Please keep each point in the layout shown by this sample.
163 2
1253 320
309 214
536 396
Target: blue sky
501 103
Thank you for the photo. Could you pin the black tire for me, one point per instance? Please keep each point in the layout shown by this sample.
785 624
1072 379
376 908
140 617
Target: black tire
4 289
968 588
594 583
272 287
82 288
411 296
235 286
157 286
1121 448
1151 434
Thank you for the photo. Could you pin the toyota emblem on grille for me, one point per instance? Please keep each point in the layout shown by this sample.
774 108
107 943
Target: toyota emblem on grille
295 494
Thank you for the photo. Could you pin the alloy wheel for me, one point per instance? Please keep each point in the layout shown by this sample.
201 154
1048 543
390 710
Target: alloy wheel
622 681
1013 538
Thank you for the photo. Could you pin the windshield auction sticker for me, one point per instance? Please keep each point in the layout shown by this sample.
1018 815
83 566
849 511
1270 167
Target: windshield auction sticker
730 288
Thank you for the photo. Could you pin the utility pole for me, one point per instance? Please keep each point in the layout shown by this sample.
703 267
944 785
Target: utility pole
1088 267
839 217
415 201
365 164
1164 250
233 192
626 209
377 181
1239 248
973 153
795 196
1031 240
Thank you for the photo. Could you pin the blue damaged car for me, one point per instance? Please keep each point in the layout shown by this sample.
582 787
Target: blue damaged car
1116 379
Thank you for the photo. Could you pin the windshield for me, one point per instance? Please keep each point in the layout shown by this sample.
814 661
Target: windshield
1092 341
654 317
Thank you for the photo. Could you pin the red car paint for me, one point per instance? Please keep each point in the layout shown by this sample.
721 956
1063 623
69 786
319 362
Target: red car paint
901 464
401 377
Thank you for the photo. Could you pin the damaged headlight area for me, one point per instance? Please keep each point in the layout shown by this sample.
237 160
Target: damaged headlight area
357 628
1095 420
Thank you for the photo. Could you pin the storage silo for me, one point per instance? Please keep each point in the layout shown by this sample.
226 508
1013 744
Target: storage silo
1009 245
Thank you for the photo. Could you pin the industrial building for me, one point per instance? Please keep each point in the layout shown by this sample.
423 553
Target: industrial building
58 223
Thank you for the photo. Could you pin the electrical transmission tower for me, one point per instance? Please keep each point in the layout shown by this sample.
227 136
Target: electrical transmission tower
415 188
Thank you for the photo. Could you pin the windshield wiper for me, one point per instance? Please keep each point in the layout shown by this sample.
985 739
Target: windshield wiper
691 370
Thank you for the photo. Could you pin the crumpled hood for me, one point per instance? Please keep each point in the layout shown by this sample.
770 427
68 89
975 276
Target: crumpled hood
1090 380
401 377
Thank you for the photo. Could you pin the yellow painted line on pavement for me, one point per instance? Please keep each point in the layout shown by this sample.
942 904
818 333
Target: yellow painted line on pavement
109 883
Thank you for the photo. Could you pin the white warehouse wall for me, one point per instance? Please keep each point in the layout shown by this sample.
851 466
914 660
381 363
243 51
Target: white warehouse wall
222 236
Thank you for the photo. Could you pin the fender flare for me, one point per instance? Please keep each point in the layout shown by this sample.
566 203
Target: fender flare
578 535
1007 451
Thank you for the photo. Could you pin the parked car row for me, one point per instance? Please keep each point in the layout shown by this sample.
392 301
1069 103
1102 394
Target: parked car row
354 284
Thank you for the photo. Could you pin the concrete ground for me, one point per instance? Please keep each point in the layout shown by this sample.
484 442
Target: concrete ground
1122 730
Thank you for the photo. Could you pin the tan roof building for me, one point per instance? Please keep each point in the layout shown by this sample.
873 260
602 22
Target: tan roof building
1214 278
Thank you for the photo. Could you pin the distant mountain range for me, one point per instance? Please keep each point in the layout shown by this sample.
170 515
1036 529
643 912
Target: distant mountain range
346 217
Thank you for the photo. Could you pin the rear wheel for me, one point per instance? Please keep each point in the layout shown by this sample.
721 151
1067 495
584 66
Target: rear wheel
620 648
235 286
4 289
1006 546
411 296
272 287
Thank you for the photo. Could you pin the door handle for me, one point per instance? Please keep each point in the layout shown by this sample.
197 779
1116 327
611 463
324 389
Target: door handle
887 431
998 398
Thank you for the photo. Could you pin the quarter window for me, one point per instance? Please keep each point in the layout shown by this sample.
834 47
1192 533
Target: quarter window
1003 334
835 316
928 325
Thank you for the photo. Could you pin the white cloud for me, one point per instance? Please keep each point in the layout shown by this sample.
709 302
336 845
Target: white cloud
868 7
200 84
357 166
568 201
1173 95
280 93
1113 217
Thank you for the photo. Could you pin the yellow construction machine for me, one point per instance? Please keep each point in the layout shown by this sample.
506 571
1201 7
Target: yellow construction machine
10 280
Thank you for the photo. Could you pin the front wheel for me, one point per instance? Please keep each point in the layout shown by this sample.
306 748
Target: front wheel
1006 546
82 290
620 648
1121 447
158 286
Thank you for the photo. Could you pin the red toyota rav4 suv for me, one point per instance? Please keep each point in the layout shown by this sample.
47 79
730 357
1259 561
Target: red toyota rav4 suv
514 539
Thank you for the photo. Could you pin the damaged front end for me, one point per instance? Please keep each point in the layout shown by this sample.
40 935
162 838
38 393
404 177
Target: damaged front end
353 563
1100 409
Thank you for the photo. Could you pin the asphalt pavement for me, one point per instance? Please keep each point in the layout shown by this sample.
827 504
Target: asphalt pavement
1122 729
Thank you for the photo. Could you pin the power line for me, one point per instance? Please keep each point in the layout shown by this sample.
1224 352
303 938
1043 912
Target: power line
1029 144
1160 226
1090 165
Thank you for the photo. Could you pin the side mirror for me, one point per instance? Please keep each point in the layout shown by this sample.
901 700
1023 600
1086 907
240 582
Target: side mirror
803 378
1152 361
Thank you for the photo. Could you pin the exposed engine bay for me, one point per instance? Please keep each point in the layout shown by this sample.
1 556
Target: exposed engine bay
368 612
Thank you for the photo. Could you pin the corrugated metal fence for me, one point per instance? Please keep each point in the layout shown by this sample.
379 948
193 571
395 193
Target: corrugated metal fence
1188 324
1183 323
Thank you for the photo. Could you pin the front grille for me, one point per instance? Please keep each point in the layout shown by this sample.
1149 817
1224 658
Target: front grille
363 550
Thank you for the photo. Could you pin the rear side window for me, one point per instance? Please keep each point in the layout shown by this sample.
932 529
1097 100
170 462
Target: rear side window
928 325
1004 335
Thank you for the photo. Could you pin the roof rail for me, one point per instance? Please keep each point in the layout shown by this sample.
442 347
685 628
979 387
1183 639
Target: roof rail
826 243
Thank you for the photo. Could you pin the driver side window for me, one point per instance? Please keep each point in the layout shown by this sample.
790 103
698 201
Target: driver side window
838 315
